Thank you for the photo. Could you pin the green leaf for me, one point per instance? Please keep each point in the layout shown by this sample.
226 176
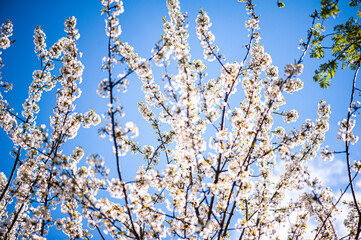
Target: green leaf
329 8
280 4
325 73
359 13
354 3
317 52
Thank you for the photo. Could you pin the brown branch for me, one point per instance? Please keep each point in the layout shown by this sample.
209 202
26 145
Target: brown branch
347 149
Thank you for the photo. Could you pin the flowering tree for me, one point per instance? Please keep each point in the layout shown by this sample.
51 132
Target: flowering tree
211 174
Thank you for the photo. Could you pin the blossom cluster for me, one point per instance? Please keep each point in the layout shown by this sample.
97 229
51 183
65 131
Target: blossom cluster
345 131
41 166
206 37
5 42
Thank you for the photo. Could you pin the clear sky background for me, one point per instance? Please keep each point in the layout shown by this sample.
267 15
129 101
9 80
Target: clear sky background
281 30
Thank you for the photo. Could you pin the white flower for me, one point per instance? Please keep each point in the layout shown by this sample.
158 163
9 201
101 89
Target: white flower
326 155
292 70
357 166
290 116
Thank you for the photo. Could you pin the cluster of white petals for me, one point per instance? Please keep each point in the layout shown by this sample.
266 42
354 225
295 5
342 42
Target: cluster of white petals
326 154
345 131
292 70
6 31
206 37
44 176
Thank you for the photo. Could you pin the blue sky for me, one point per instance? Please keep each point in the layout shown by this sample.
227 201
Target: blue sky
281 30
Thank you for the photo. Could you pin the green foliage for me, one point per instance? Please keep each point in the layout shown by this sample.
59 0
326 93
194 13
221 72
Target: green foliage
317 52
329 8
280 4
325 73
346 43
354 3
